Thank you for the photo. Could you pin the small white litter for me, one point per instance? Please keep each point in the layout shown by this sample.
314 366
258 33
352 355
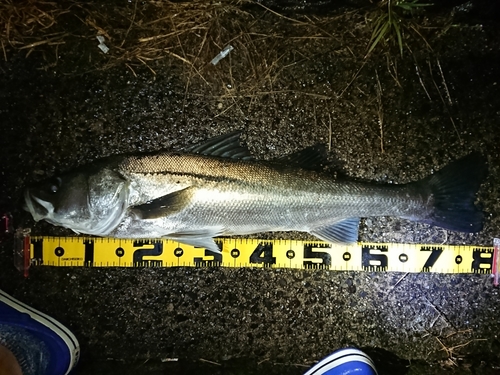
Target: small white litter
222 54
103 47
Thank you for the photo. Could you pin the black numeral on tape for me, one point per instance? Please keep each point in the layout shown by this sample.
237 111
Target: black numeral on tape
263 254
482 260
152 249
88 260
310 252
371 260
435 253
217 261
37 252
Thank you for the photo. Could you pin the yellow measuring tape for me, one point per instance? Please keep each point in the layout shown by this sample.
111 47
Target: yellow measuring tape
112 252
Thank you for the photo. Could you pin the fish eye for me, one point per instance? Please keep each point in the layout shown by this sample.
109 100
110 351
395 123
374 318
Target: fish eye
55 184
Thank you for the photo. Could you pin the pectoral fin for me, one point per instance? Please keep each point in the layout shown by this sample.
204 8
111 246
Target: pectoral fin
165 205
341 232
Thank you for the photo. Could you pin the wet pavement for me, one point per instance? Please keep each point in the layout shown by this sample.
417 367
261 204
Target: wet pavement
386 118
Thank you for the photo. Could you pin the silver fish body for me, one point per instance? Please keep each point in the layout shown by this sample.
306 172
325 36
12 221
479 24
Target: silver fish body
194 196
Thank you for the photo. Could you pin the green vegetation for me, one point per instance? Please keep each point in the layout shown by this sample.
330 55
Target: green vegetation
392 21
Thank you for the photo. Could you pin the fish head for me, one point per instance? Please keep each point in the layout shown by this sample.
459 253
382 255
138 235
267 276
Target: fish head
91 202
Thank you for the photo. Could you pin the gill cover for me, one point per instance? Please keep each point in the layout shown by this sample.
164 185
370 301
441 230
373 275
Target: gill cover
85 202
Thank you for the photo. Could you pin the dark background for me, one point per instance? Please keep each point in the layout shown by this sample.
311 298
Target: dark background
298 76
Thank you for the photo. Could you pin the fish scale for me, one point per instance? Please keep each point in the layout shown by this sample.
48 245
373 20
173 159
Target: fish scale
271 196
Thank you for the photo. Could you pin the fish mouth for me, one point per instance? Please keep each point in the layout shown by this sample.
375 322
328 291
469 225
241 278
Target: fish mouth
39 208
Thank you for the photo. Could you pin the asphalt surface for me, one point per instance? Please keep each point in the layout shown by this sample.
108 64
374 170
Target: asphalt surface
440 106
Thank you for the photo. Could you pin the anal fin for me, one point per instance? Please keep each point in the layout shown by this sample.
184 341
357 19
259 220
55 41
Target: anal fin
340 232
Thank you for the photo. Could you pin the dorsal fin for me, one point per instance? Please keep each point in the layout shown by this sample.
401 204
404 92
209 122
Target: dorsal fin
313 158
225 146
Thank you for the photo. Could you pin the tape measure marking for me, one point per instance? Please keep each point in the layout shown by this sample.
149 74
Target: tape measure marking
112 252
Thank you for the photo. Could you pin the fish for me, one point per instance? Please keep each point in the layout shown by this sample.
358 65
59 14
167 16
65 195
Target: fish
217 189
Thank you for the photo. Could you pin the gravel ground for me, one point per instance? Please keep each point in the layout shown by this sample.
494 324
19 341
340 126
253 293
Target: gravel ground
386 118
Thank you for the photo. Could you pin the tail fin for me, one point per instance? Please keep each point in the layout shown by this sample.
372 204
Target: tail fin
453 191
